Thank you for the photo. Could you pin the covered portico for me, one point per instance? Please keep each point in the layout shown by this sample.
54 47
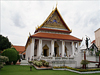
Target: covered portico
52 47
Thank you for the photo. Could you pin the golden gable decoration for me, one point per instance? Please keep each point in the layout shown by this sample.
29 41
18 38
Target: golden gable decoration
54 20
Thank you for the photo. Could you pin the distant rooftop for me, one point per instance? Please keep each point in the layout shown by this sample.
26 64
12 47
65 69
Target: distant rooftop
20 49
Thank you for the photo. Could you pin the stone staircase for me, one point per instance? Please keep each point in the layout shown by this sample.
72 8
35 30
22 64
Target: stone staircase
24 62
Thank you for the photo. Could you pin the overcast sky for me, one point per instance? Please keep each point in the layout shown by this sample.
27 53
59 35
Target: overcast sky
18 18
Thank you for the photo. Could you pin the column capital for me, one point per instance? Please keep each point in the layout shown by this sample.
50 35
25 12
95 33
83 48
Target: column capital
40 40
63 42
52 41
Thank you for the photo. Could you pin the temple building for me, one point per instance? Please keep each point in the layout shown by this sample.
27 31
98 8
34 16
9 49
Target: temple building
52 39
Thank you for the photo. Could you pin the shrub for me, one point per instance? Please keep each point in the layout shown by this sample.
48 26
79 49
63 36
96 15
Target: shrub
80 70
34 62
46 64
12 54
55 67
43 61
39 64
3 59
84 62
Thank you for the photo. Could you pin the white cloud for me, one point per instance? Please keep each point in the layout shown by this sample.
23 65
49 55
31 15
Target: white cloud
18 18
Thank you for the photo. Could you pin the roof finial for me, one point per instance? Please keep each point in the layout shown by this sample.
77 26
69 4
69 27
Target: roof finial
56 4
53 8
29 34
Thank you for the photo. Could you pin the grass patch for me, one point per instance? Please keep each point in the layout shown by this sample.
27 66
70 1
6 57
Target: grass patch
25 70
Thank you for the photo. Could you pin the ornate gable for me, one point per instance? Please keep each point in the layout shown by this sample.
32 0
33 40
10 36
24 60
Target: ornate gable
55 20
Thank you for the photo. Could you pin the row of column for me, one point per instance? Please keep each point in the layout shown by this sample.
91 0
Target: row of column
52 48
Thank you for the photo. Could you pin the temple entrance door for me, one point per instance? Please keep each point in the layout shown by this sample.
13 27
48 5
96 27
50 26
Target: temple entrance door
45 52
55 50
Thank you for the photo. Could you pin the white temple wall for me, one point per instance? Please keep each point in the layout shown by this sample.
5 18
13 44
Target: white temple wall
26 54
69 48
28 50
78 59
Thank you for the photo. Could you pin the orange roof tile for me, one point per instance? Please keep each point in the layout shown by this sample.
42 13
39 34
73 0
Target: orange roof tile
20 49
55 36
56 30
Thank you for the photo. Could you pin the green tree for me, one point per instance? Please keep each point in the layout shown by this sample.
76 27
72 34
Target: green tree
4 43
12 54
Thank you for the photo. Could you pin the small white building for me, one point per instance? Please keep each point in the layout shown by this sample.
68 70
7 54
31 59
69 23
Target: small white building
52 38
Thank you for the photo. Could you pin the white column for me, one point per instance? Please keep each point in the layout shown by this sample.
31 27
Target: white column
78 46
52 47
63 48
40 47
73 50
32 48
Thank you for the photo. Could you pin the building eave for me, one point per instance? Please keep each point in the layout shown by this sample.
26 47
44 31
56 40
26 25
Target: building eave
55 36
56 30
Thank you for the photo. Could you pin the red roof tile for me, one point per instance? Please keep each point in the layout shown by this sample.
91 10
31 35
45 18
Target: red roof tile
55 36
20 49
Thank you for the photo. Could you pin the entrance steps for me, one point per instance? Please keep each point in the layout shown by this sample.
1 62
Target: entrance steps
24 62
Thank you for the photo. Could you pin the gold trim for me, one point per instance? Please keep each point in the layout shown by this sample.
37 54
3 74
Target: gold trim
47 48
63 42
56 45
73 43
79 43
40 41
52 41
84 51
56 4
